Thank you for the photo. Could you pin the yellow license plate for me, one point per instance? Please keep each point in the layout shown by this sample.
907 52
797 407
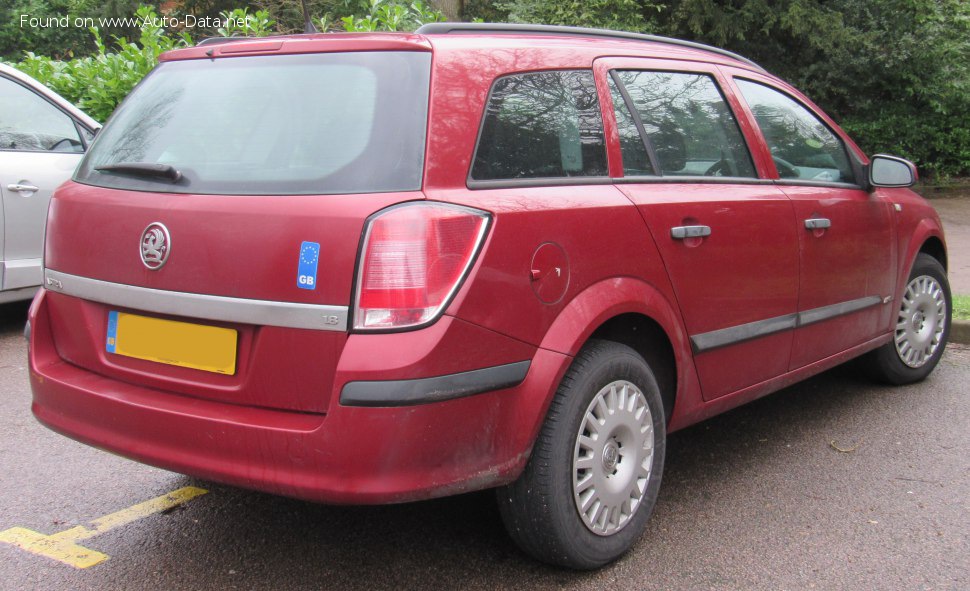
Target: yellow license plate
209 348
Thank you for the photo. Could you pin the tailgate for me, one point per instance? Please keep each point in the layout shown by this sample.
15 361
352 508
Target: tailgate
276 272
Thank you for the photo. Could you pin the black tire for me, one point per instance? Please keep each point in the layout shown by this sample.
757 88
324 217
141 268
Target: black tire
886 364
539 509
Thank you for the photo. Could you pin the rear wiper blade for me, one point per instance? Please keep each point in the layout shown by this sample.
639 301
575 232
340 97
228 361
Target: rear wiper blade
145 169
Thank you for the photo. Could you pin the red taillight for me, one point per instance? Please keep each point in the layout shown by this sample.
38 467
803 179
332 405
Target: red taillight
414 258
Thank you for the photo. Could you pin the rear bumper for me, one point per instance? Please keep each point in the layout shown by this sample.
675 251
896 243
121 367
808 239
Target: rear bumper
352 454
436 389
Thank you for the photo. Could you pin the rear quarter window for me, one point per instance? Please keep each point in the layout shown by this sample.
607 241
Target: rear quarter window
541 125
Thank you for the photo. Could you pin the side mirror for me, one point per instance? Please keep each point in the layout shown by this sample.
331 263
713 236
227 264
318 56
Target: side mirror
890 171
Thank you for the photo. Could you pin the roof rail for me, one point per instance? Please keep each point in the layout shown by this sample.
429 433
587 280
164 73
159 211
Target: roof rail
445 28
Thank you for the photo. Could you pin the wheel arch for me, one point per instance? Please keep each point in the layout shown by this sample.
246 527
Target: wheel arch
634 313
645 336
926 237
934 247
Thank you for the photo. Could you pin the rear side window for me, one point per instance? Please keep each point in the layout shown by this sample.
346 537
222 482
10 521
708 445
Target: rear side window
636 162
802 147
688 124
541 125
272 125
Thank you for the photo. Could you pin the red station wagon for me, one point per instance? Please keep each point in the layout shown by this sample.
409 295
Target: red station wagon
377 268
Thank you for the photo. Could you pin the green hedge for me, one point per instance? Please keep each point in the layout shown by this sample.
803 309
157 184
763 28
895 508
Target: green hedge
98 83
894 73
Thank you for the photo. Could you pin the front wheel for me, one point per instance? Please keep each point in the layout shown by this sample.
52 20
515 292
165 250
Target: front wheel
922 327
593 478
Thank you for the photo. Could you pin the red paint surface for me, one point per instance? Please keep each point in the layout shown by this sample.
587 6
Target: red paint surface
745 271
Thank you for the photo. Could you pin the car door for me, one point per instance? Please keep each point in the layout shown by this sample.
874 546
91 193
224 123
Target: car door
40 146
847 260
726 236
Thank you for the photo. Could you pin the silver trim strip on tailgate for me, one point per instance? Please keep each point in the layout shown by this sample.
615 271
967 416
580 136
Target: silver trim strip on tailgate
195 305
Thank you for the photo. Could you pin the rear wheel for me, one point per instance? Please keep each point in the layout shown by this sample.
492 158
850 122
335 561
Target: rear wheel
593 478
922 327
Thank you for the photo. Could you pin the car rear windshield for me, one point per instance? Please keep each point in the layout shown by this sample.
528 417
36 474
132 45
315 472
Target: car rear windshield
311 124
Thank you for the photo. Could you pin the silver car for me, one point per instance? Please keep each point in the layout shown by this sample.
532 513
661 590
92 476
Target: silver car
42 139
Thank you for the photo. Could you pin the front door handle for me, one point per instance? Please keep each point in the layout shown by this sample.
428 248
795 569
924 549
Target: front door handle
817 223
681 232
21 188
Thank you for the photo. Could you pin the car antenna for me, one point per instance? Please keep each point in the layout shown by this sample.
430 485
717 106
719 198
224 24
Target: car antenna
307 22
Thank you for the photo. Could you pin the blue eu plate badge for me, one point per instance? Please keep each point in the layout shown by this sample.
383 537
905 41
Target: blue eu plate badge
306 275
112 332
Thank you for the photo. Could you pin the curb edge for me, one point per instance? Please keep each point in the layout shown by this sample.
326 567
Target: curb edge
960 331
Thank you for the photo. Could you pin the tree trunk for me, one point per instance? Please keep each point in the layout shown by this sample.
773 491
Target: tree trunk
451 8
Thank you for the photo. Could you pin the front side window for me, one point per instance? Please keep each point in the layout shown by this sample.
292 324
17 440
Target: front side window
688 124
802 147
541 125
326 123
28 123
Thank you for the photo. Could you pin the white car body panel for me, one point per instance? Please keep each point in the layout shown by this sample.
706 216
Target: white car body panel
29 173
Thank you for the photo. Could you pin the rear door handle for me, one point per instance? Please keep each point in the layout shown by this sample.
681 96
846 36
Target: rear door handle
681 232
17 188
817 223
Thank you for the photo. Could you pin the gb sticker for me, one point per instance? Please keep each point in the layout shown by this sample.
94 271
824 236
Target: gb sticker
306 274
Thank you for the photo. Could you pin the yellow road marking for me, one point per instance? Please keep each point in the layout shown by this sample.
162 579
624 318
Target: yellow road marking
63 546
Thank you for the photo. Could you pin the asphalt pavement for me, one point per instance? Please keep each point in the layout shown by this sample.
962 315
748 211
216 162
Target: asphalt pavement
954 210
834 483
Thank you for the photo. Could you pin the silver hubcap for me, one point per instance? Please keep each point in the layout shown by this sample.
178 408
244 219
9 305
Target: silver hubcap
922 317
613 457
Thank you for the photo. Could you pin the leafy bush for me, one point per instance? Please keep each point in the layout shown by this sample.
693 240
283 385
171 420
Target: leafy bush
61 42
901 80
894 73
625 15
288 14
53 41
99 82
483 11
352 15
211 8
393 15
240 23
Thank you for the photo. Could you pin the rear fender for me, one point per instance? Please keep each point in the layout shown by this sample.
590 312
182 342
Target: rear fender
625 295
